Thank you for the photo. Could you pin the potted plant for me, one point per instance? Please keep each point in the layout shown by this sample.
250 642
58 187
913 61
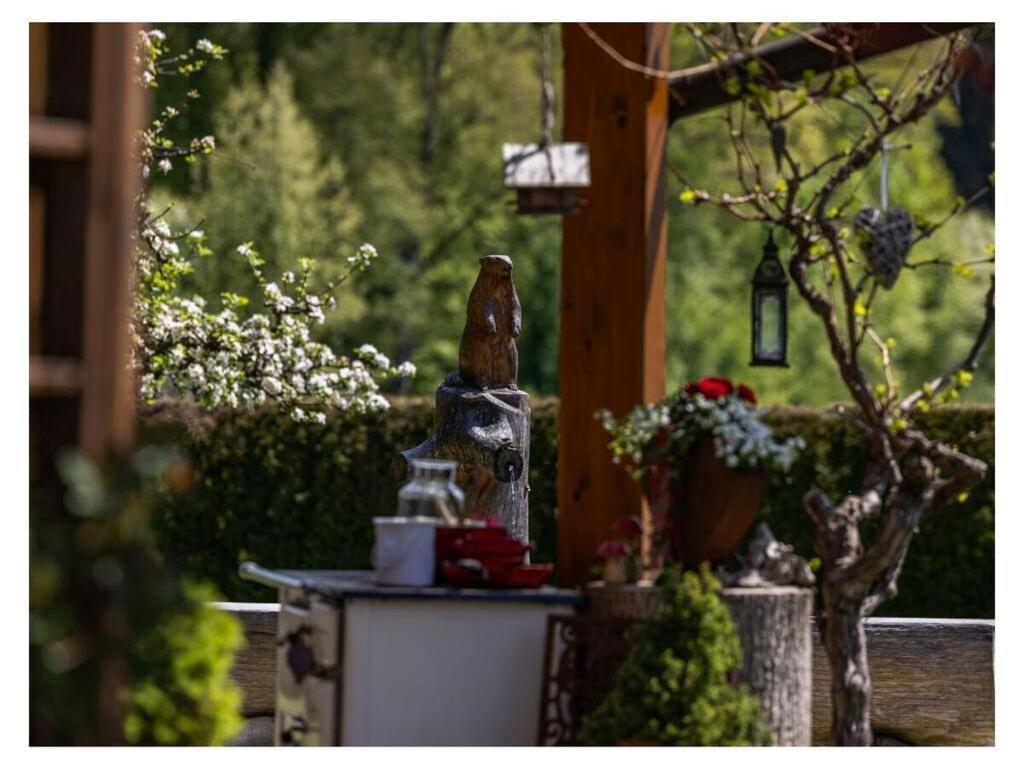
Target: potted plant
702 455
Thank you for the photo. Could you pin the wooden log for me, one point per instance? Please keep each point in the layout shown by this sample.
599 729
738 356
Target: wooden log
774 627
488 434
254 668
256 731
933 677
932 682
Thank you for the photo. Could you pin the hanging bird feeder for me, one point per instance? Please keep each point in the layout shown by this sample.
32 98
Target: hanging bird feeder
547 176
769 310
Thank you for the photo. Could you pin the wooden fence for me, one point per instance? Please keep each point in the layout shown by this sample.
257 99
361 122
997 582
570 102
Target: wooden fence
933 679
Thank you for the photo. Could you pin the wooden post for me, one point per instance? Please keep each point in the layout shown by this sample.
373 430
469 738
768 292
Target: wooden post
118 111
612 337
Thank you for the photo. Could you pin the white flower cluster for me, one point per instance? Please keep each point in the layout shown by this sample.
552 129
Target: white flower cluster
740 438
221 359
363 257
228 358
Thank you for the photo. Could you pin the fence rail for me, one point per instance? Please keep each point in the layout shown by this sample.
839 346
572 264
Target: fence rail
933 679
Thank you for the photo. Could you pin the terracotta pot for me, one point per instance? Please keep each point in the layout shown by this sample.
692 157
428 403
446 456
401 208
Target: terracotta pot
704 513
614 571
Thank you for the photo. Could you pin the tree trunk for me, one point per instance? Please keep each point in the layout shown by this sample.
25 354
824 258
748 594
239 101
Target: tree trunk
851 678
488 434
774 627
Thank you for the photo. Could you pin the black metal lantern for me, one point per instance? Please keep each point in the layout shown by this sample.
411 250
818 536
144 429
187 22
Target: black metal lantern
768 310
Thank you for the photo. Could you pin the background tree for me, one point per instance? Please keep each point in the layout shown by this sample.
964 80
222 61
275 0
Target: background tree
811 197
417 115
221 353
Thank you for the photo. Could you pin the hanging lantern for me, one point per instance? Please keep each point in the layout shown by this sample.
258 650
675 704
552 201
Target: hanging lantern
768 310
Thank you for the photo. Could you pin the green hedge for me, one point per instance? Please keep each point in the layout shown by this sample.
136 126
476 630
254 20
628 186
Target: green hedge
291 495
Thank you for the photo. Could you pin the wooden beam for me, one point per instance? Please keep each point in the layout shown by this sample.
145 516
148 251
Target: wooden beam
36 266
54 376
700 88
118 110
58 138
612 336
38 67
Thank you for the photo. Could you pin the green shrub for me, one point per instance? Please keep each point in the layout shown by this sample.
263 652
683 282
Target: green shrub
674 687
183 694
120 648
291 495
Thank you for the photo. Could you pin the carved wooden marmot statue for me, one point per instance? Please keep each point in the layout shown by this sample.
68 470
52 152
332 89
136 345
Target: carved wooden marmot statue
488 358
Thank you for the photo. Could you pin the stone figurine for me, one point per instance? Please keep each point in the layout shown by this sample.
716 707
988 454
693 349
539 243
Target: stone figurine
769 562
482 418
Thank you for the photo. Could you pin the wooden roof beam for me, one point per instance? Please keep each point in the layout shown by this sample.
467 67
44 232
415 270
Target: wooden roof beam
700 87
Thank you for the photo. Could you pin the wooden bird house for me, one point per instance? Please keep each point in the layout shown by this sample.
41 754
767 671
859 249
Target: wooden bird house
547 178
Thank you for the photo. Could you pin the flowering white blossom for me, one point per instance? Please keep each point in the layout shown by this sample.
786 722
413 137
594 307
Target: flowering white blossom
218 356
363 257
739 436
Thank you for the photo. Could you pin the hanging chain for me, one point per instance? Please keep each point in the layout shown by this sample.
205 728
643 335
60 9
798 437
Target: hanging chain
883 192
547 89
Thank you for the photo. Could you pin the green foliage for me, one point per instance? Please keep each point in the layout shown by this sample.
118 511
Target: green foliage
416 115
274 184
674 687
950 567
188 658
119 648
712 256
291 495
231 357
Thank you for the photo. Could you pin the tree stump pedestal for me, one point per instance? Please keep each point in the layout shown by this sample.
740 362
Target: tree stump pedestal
774 627
488 433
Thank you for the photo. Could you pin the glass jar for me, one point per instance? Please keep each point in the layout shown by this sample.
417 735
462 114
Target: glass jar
432 492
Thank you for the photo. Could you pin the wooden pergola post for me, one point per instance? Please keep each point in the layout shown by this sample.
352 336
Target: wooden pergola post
612 338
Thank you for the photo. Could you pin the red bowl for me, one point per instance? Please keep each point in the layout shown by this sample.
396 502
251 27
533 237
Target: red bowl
514 577
520 577
484 549
463 578
498 561
447 535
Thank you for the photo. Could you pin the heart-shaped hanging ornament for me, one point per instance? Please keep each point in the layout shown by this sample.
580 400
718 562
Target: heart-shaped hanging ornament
885 238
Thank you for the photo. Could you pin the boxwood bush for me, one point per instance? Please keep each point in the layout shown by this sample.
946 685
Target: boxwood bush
300 495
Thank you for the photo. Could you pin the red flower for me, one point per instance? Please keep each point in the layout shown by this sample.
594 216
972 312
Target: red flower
714 388
691 388
746 393
628 527
612 549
